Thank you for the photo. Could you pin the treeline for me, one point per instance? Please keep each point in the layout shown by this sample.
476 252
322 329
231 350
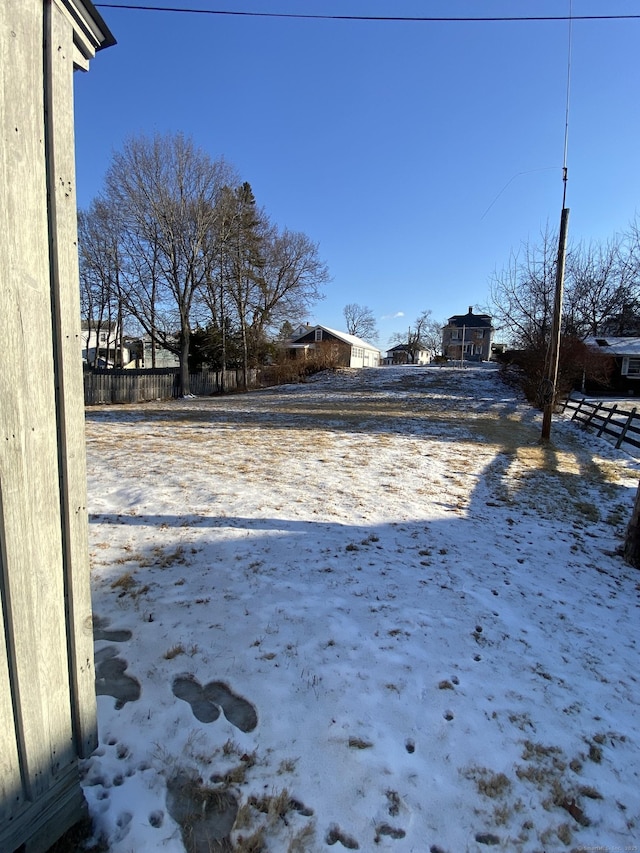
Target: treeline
601 298
178 243
601 289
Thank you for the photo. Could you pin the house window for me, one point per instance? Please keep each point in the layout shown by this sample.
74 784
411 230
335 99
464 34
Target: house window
631 366
318 334
455 334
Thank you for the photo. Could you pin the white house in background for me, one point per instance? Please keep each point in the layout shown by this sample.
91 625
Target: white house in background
101 348
101 343
348 350
400 355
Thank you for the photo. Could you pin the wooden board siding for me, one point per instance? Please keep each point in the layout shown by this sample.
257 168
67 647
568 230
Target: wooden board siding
65 289
33 591
47 694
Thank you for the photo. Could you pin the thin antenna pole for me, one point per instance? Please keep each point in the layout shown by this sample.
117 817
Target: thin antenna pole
549 389
566 115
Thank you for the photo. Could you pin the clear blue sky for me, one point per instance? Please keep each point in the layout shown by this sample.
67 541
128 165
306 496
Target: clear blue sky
417 155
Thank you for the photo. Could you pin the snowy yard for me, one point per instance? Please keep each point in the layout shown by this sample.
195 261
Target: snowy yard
368 612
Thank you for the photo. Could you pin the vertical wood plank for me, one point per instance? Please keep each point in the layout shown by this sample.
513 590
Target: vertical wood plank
34 593
13 47
11 787
65 293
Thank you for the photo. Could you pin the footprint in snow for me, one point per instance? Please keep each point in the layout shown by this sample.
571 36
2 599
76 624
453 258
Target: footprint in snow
156 818
111 679
124 825
209 700
102 632
390 831
335 834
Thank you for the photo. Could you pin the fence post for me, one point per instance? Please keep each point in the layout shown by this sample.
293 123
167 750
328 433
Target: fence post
577 409
596 409
632 540
625 428
607 421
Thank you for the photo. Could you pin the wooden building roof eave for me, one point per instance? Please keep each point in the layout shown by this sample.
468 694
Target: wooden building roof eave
90 32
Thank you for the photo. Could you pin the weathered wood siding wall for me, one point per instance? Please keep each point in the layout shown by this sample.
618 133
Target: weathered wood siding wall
47 693
139 386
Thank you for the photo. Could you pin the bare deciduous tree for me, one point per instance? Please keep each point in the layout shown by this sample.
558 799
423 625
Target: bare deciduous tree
432 335
275 277
291 280
425 334
360 322
195 252
601 290
165 192
522 294
101 296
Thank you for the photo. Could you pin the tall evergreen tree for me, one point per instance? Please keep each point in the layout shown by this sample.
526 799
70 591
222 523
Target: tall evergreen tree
244 262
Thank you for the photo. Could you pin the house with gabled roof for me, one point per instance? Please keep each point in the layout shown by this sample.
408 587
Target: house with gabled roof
102 344
624 353
468 336
346 350
400 354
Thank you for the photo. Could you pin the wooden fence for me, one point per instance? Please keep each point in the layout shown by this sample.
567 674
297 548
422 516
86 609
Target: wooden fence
606 419
139 386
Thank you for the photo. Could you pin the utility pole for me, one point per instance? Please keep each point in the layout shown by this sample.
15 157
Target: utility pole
549 383
549 387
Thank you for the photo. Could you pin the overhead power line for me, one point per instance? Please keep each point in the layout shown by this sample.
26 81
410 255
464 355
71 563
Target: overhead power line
414 19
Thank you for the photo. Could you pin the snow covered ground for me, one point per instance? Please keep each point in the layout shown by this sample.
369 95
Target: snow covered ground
367 612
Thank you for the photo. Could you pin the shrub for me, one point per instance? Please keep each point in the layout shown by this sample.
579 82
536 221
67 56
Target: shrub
287 369
577 363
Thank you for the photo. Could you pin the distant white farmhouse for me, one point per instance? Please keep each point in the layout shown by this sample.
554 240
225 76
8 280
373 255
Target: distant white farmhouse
101 344
348 350
102 347
401 355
